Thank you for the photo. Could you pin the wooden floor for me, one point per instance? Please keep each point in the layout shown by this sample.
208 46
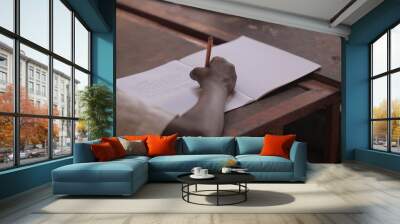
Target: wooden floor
379 189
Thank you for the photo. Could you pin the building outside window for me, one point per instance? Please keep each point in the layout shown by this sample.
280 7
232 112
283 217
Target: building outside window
55 97
44 77
57 129
385 91
30 72
3 78
3 61
3 72
30 87
38 89
43 90
37 74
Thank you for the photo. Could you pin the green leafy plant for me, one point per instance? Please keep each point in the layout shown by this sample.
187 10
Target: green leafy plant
96 102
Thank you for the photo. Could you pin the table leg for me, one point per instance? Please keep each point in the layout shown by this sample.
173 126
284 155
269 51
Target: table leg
245 191
217 194
195 188
188 190
182 188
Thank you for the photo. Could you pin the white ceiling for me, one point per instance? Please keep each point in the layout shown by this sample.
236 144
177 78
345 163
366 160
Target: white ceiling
319 9
313 15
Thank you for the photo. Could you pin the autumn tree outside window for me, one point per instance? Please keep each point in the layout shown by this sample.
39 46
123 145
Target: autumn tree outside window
385 91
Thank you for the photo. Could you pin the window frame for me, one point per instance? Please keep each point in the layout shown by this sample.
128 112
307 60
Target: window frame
16 115
388 74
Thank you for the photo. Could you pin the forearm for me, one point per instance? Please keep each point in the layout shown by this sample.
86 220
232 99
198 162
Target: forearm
206 118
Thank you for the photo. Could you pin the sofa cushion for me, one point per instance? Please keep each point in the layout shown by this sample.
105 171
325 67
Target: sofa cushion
277 145
207 145
112 171
134 147
257 163
103 152
132 158
161 145
83 152
185 163
249 145
116 145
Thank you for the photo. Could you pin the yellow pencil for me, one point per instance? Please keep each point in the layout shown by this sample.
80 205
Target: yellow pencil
208 54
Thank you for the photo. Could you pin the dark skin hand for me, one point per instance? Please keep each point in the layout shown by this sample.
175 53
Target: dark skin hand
206 118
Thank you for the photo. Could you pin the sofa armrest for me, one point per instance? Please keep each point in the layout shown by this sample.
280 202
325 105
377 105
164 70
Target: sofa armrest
298 155
83 152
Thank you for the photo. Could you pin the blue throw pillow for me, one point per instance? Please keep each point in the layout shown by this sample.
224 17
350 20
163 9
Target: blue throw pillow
249 145
208 145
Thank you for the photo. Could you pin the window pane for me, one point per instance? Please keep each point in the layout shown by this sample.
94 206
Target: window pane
395 94
6 74
379 97
62 29
379 135
6 142
395 135
62 89
395 47
34 97
7 14
81 131
81 45
33 139
34 21
81 81
62 137
379 56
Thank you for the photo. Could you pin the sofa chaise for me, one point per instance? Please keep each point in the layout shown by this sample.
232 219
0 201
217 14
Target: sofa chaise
125 176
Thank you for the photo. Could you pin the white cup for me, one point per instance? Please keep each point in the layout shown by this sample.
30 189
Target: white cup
226 170
203 172
196 171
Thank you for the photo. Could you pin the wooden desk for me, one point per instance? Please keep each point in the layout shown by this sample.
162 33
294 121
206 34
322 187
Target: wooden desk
150 33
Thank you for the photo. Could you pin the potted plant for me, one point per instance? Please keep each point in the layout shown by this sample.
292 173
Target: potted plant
96 103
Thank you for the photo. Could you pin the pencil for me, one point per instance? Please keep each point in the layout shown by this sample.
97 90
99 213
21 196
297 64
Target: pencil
208 54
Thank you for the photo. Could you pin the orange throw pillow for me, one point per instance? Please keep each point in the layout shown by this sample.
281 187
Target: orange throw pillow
103 152
277 145
116 145
161 145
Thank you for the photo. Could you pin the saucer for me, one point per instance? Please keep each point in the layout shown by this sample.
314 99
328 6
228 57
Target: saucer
208 176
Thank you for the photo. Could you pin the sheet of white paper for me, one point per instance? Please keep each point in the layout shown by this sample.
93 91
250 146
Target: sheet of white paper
260 67
237 100
167 86
182 100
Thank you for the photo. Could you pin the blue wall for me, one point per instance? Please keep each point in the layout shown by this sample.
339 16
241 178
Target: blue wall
355 84
103 53
24 178
100 17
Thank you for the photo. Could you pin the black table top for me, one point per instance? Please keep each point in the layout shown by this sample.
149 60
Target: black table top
220 178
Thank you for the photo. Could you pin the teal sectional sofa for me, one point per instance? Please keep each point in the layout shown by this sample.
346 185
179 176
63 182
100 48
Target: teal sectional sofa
125 176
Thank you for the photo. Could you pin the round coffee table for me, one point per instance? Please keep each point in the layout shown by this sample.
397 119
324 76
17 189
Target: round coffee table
238 179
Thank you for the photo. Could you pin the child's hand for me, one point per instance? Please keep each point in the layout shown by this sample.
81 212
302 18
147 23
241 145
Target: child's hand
220 73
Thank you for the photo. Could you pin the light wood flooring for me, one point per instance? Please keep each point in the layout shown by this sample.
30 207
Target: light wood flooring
377 188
